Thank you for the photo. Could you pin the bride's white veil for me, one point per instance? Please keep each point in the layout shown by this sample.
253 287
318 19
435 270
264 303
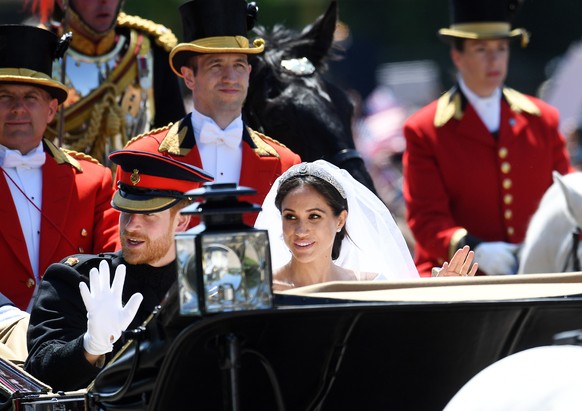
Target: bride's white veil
374 242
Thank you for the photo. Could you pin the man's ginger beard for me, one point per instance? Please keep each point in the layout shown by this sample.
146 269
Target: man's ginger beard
154 249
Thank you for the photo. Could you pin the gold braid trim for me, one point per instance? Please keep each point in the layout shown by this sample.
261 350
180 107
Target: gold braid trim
83 118
174 137
80 156
147 133
105 123
172 142
519 102
264 137
62 157
263 149
448 106
163 36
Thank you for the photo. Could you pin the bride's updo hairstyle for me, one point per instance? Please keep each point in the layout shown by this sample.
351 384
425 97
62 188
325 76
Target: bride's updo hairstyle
312 175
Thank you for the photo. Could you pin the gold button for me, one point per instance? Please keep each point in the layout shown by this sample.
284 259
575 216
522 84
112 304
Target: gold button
508 199
84 233
507 183
505 167
510 231
502 152
508 214
81 250
30 283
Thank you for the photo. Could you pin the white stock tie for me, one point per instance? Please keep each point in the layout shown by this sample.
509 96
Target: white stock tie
13 159
210 133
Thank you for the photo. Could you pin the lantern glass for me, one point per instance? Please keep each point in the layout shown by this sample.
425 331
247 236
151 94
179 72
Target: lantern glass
232 272
186 266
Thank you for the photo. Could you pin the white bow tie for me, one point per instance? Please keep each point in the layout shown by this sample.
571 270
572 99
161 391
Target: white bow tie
210 133
13 159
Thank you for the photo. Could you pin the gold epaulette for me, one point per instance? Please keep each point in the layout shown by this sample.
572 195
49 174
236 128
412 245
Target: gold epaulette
61 156
147 133
274 140
263 149
520 102
172 142
80 156
449 106
163 36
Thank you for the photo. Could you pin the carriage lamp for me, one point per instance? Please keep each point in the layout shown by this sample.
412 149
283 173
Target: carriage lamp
223 264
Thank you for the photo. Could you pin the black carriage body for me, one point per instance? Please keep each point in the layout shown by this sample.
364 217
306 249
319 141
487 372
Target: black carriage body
348 354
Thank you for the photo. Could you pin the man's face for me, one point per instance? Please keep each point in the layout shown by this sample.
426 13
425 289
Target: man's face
483 64
97 14
148 238
25 112
220 84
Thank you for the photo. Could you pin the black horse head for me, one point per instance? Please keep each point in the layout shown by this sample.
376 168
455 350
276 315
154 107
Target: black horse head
290 100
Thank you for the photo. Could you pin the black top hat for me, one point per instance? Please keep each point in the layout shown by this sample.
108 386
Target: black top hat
26 56
483 19
149 183
215 26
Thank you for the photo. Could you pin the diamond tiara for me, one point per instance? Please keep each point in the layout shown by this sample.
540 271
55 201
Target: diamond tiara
312 169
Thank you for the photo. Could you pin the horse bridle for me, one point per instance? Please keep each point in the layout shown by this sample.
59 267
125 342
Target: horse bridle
343 155
338 158
576 234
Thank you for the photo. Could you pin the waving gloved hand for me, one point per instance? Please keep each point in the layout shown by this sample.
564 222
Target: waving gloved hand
497 257
106 317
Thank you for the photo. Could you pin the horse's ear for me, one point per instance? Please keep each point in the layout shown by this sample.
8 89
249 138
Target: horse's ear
320 32
571 187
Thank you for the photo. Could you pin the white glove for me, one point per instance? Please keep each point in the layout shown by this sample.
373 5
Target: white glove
106 318
497 257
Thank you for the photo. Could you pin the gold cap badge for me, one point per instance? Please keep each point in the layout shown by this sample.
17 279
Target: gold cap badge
134 177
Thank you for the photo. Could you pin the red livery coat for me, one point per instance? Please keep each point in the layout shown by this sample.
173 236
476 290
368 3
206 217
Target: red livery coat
459 178
77 217
263 159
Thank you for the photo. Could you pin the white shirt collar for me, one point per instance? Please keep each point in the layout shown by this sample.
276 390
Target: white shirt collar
198 120
37 149
4 150
223 161
488 108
